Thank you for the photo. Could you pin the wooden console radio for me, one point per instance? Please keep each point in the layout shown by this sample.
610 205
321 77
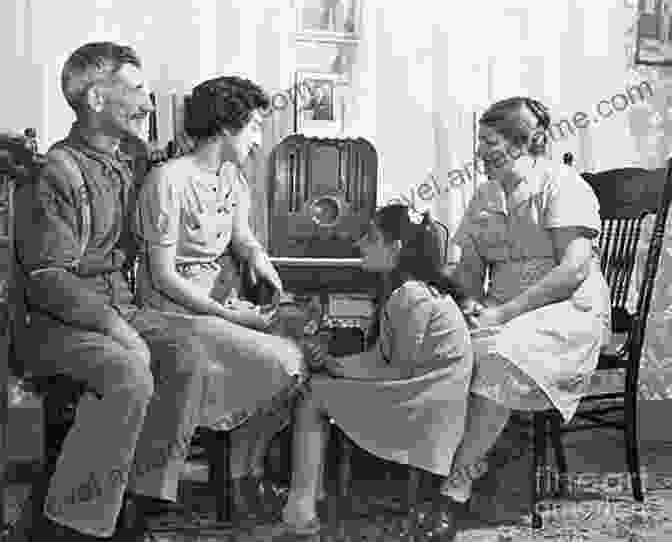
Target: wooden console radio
321 197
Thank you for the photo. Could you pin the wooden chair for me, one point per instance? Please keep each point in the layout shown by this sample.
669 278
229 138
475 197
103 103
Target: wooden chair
627 197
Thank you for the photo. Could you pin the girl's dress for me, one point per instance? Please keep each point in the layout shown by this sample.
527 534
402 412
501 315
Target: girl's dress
250 382
418 419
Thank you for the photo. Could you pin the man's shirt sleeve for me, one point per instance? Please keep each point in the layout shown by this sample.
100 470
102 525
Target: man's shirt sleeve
48 243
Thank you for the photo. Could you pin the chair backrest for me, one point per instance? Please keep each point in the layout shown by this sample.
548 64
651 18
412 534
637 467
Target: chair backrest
627 197
322 195
20 162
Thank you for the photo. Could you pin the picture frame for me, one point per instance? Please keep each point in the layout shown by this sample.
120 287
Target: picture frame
328 21
319 103
653 33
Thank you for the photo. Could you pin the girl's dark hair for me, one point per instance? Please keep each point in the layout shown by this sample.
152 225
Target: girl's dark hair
423 252
524 122
223 102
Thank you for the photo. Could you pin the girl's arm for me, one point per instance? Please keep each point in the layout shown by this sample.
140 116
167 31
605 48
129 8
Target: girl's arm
366 365
397 353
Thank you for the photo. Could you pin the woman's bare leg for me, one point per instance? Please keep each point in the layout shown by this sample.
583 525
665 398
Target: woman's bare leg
308 447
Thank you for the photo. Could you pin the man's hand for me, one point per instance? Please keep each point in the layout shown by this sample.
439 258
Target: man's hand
260 267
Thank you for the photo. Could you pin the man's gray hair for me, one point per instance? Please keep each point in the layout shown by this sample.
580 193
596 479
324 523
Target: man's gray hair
91 63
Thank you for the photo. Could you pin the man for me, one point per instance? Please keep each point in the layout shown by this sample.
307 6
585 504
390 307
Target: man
145 367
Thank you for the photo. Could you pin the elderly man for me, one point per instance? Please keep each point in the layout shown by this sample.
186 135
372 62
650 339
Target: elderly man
145 367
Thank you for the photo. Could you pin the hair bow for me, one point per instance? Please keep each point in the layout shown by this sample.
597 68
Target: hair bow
414 216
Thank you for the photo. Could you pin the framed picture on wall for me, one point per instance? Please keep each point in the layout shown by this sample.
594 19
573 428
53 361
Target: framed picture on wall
328 20
653 45
319 104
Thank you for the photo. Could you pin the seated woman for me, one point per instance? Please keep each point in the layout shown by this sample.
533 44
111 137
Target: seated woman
192 217
405 400
533 228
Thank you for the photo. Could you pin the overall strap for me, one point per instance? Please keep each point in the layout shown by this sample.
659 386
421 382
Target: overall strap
82 192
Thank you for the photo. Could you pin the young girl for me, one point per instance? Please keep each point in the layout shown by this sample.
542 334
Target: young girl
405 400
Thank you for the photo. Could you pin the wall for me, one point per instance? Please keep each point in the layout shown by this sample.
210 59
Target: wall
423 74
180 44
651 126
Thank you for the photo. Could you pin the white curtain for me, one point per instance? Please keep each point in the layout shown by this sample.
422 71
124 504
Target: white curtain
423 73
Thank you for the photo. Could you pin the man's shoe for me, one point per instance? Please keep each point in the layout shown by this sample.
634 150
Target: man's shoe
52 531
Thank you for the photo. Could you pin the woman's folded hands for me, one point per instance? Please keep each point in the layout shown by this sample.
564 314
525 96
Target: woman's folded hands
319 361
315 356
482 317
254 316
472 309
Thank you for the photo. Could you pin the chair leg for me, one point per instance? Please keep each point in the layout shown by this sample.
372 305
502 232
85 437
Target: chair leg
632 445
4 422
345 467
538 466
559 450
414 477
218 449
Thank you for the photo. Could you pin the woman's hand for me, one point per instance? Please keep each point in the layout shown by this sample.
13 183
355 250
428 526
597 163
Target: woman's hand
250 315
314 355
335 367
491 317
471 310
319 361
235 303
260 267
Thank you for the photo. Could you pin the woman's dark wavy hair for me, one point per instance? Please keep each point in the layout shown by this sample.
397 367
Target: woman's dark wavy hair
523 121
422 255
222 103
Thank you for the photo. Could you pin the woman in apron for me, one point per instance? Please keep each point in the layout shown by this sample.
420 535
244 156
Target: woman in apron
533 230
